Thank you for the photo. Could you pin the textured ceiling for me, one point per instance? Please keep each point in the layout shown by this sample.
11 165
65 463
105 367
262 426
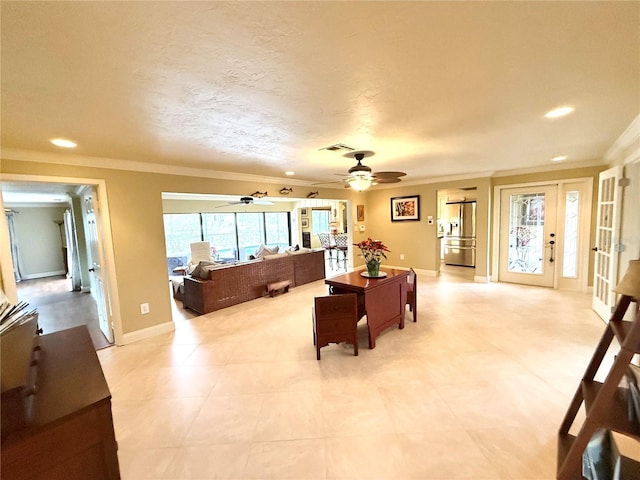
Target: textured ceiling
436 89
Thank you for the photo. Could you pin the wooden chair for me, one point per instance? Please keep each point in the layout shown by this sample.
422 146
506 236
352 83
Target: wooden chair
412 284
335 320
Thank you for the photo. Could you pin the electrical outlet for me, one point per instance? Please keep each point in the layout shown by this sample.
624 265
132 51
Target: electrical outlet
144 308
402 256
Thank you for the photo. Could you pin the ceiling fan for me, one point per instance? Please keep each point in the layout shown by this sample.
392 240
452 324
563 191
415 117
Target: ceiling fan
360 177
247 201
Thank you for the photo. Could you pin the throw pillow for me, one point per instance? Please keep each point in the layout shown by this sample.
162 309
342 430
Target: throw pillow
264 250
197 272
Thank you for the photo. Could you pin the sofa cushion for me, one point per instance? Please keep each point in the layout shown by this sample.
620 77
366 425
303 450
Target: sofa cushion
264 250
199 272
276 255
300 251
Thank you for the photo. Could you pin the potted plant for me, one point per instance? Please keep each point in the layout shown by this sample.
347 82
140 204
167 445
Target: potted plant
373 251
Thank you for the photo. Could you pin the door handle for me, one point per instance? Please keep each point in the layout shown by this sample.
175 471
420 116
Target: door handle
551 244
595 249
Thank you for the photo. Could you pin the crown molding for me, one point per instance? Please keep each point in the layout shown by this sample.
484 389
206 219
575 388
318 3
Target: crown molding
133 166
550 168
627 146
444 178
631 134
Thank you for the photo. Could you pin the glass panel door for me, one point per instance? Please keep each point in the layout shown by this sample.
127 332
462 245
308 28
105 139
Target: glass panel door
606 256
528 243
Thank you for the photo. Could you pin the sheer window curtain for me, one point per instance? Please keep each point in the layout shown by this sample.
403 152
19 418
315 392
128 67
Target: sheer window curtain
73 260
15 249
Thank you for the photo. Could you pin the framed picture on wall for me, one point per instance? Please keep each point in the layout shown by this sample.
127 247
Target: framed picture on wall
304 212
360 213
405 208
305 223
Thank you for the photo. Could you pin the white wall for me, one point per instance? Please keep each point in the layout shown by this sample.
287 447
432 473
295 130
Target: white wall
39 241
630 231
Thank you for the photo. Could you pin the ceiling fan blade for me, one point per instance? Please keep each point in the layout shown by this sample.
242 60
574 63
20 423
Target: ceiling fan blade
388 174
247 201
386 180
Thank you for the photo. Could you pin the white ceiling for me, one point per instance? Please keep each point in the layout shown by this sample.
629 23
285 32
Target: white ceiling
436 89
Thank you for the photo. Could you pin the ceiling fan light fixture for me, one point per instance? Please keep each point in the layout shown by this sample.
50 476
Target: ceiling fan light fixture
360 181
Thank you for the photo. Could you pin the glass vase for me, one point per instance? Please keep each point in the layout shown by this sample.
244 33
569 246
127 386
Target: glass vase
373 268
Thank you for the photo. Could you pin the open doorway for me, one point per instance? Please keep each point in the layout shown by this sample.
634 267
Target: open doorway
457 231
51 255
235 230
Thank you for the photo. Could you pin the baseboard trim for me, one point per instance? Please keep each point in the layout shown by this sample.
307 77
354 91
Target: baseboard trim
419 271
148 332
33 276
481 279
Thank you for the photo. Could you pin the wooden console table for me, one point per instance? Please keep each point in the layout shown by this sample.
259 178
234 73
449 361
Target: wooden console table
383 300
68 429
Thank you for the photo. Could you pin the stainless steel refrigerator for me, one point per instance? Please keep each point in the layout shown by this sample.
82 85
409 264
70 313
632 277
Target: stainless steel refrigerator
460 233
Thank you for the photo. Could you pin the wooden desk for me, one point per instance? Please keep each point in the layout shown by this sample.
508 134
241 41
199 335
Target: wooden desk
69 430
383 300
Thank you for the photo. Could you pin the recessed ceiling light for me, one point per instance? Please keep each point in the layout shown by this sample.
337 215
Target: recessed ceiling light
63 142
559 112
559 158
289 173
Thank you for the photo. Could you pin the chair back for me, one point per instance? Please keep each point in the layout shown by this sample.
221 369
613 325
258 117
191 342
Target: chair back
200 251
335 320
336 313
412 294
342 240
411 279
325 240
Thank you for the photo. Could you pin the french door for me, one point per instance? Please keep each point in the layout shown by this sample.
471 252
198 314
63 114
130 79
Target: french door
606 254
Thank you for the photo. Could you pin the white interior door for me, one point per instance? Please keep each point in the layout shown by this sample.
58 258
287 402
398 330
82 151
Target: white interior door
606 252
528 240
94 251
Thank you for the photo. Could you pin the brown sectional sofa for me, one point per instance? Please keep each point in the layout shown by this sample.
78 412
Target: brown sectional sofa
233 284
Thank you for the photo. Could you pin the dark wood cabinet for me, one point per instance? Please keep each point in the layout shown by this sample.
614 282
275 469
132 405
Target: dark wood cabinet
67 432
382 299
604 402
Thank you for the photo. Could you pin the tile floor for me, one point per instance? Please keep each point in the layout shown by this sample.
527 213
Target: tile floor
475 390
